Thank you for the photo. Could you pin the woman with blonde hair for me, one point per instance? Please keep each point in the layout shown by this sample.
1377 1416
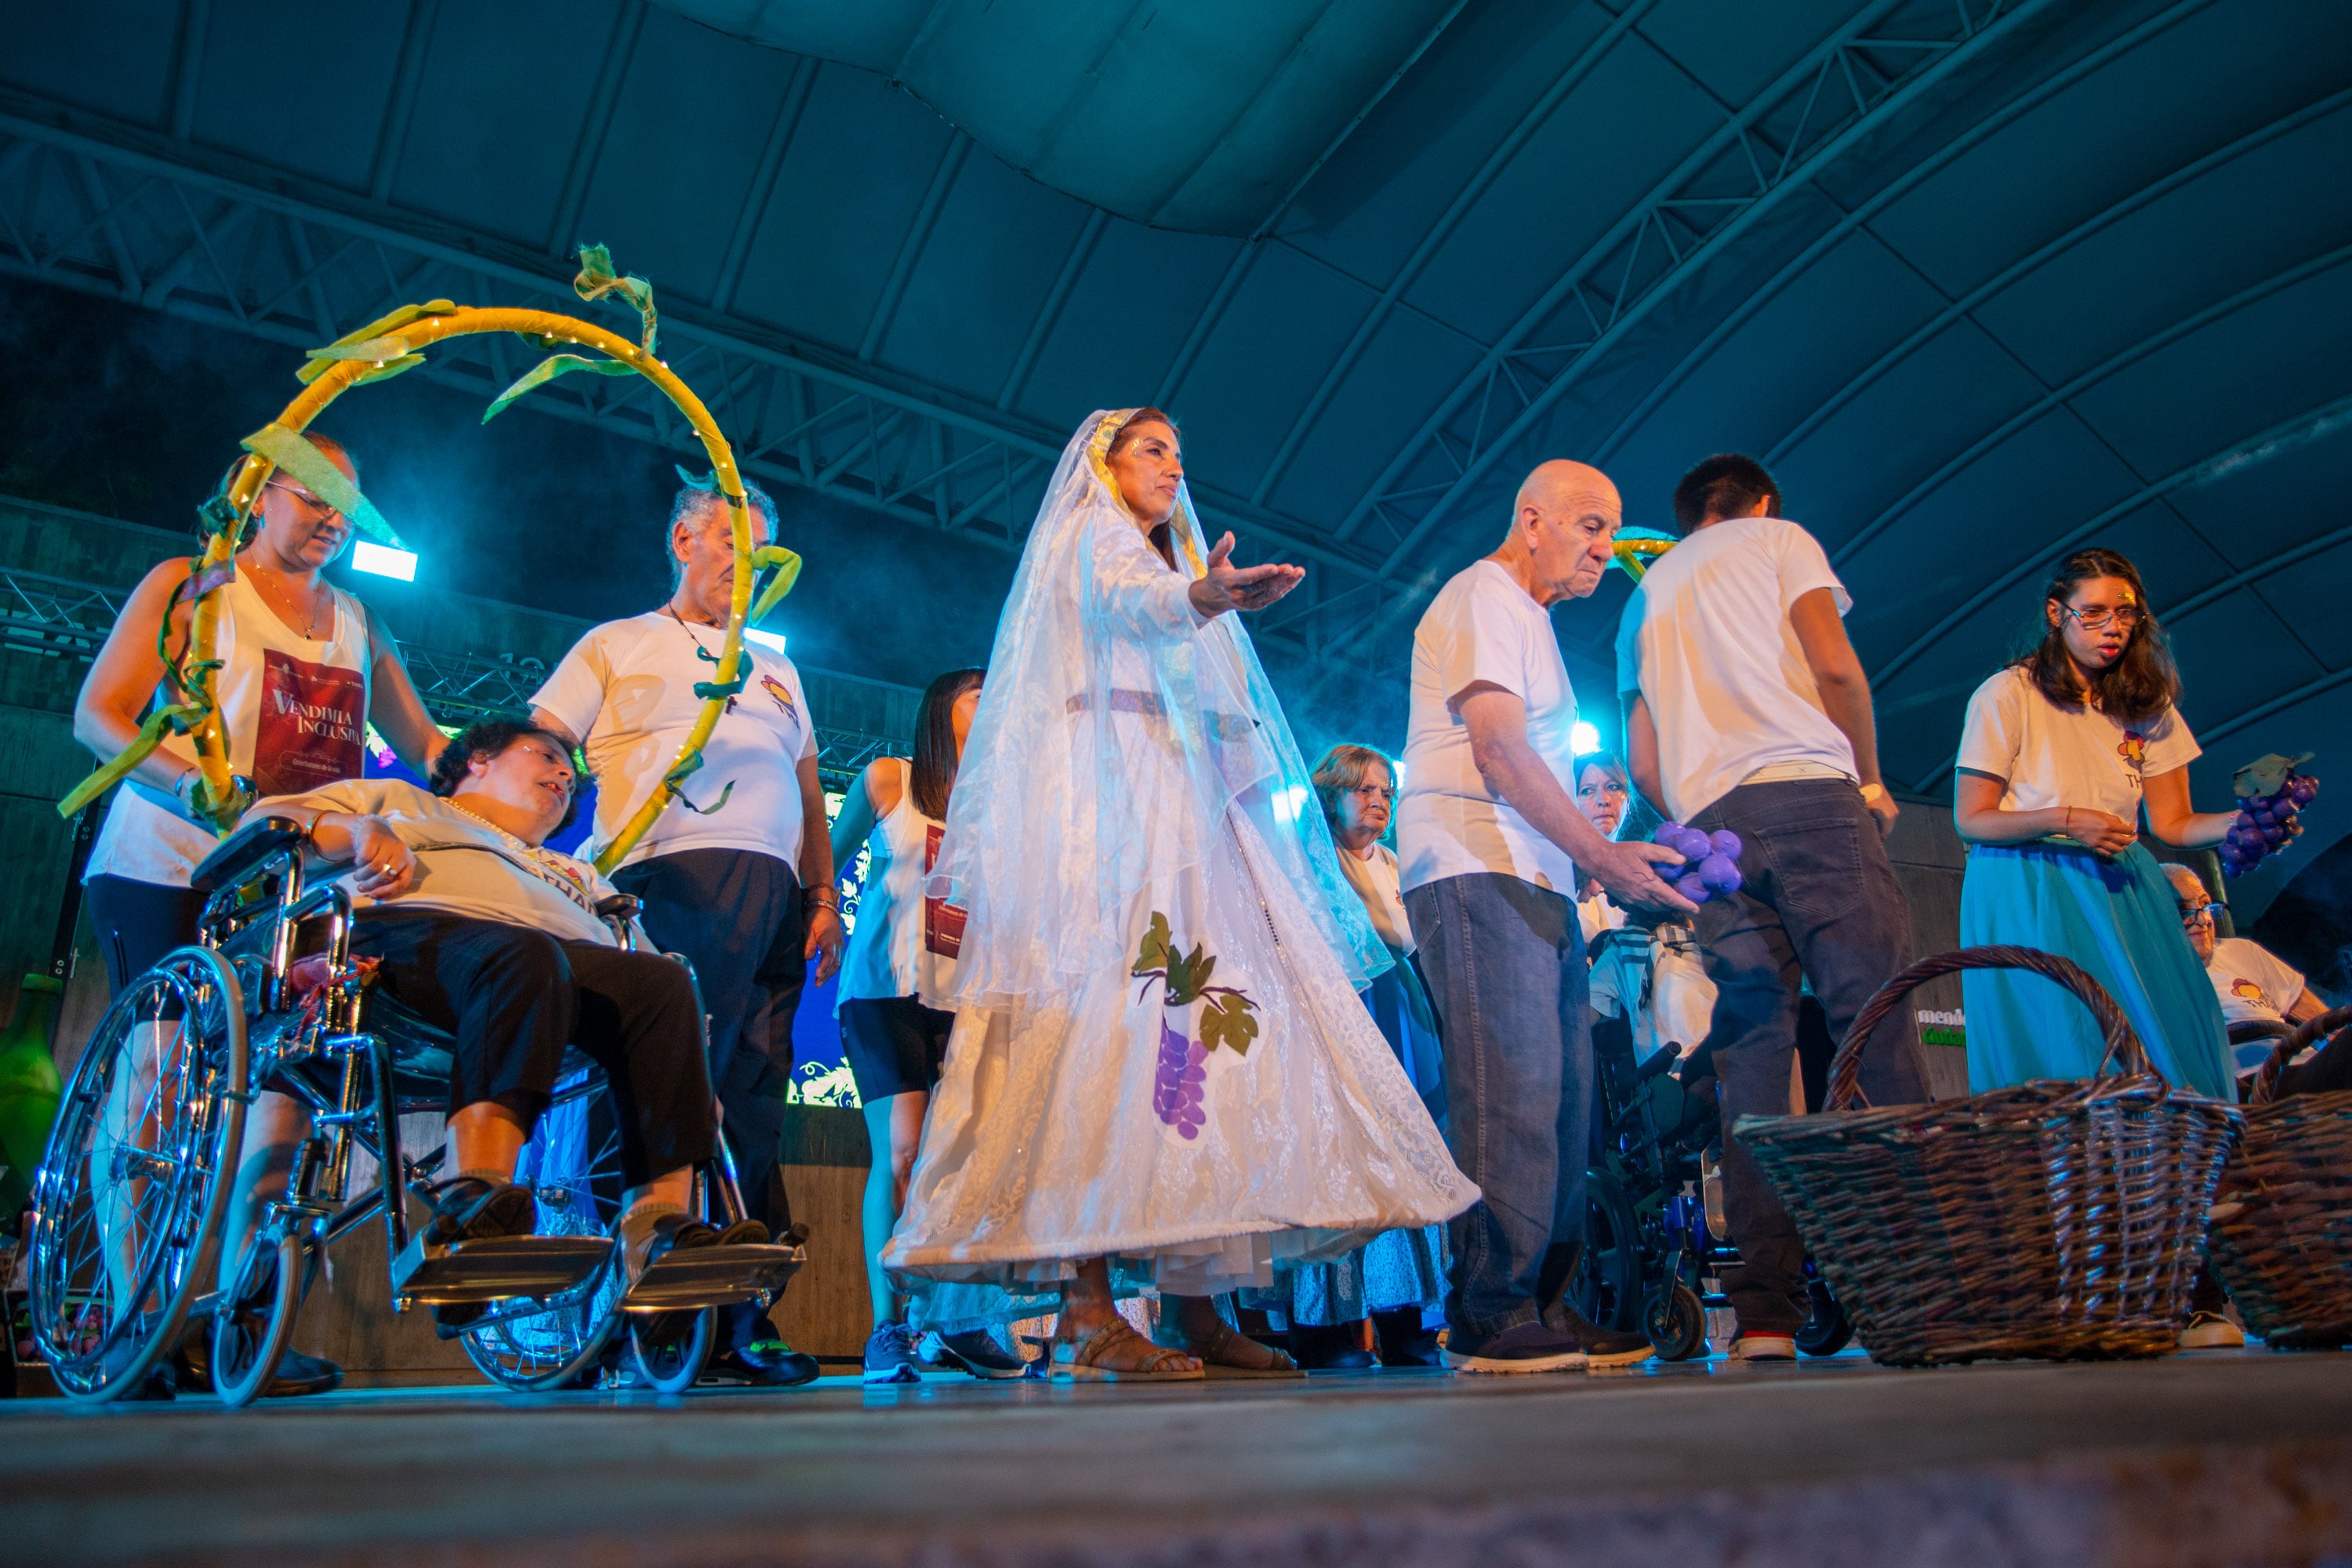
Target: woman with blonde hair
1393 1278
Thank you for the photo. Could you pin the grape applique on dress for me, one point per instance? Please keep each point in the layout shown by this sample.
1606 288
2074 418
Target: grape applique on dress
1181 1076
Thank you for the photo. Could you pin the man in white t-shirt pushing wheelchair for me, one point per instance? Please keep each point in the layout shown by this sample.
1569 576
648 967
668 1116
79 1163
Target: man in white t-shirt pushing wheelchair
737 874
1746 709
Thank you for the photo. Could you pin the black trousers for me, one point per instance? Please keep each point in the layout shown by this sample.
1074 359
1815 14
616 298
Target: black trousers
1819 902
516 998
737 916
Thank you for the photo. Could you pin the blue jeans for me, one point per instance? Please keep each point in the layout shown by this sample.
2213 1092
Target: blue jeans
1504 962
1818 902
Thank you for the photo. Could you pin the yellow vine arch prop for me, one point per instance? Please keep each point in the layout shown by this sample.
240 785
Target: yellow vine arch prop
382 349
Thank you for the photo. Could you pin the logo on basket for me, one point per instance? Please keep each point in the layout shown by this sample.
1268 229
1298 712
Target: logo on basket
1937 1027
2133 749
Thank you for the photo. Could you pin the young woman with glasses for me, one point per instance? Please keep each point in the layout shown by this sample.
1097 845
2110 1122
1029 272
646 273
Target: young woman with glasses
2062 750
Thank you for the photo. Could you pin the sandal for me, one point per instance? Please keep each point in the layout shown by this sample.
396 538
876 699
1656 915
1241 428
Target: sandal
1220 1351
1083 1360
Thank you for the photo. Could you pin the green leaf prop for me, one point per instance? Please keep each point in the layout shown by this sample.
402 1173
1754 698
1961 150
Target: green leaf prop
1228 1021
1151 958
2266 775
547 370
178 719
296 457
597 279
366 344
787 567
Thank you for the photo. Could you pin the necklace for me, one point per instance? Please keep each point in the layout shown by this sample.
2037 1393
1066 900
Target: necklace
552 866
309 632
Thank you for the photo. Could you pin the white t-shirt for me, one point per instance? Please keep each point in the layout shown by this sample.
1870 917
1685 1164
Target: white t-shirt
1706 641
466 866
2051 757
2256 986
1596 914
626 689
1482 627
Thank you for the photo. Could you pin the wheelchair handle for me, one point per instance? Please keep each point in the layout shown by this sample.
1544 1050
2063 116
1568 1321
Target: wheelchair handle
2310 1030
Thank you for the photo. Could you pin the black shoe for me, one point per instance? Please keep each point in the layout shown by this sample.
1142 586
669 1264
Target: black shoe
470 1209
1338 1348
743 1233
296 1373
973 1350
1522 1348
1602 1347
1404 1342
764 1364
677 1232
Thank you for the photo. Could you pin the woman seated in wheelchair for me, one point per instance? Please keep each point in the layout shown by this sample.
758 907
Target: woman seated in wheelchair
469 921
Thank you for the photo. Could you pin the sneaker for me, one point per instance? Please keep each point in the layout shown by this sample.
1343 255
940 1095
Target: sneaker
296 1373
764 1364
890 1354
1602 1347
1750 1346
974 1350
2211 1332
1522 1348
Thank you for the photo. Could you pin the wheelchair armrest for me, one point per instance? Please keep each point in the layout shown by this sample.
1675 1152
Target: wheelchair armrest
619 906
246 852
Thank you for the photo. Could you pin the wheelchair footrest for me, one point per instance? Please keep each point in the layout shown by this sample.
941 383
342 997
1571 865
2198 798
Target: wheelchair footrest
713 1277
498 1268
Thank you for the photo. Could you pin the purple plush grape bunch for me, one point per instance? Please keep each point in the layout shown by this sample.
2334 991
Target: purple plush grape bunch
1711 862
1179 1082
2266 824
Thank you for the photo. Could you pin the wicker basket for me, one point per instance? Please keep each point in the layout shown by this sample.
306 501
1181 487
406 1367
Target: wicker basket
2283 1220
2053 1219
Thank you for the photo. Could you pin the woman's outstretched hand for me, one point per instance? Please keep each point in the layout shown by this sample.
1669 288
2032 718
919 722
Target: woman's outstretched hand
1229 587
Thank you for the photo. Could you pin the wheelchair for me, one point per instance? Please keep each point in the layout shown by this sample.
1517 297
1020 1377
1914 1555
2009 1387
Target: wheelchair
132 1200
1653 1224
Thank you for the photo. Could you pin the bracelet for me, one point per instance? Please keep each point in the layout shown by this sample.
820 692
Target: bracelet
311 828
822 898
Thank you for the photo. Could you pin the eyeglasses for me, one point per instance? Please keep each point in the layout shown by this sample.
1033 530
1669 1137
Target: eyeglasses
2196 914
304 499
1373 792
2127 616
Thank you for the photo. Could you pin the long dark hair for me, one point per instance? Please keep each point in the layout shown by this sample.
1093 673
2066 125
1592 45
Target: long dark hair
2142 682
934 768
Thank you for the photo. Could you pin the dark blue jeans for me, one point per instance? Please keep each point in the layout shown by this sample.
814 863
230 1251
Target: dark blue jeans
1819 903
1504 962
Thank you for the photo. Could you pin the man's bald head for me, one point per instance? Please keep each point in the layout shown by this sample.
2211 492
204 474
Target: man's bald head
1564 485
1562 526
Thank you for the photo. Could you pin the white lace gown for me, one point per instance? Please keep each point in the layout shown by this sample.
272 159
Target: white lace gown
1159 1053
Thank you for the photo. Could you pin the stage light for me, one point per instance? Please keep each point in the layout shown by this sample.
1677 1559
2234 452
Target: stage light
383 561
1583 738
765 639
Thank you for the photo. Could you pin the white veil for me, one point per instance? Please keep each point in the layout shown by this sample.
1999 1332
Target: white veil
1047 841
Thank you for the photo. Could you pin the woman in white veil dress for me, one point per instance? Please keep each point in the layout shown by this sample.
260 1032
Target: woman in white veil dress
1160 1072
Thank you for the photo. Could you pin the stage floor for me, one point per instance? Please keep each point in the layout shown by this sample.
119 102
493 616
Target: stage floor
2216 1458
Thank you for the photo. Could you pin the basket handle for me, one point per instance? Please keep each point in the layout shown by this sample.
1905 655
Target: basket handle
2123 1046
2266 1080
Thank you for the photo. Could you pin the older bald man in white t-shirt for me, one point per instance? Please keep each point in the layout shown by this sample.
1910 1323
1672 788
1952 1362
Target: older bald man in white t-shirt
1489 846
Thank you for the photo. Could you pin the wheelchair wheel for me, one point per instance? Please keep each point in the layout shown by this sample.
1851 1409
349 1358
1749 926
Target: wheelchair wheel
1606 1284
1675 1319
666 1358
1827 1329
131 1196
559 1345
245 1347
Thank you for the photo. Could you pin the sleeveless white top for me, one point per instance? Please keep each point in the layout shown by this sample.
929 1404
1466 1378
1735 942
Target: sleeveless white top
903 945
296 711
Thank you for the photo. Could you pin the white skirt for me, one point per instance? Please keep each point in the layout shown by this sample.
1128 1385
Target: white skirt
1215 1106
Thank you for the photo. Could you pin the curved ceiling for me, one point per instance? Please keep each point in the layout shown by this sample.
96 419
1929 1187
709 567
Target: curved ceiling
1182 116
1979 280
